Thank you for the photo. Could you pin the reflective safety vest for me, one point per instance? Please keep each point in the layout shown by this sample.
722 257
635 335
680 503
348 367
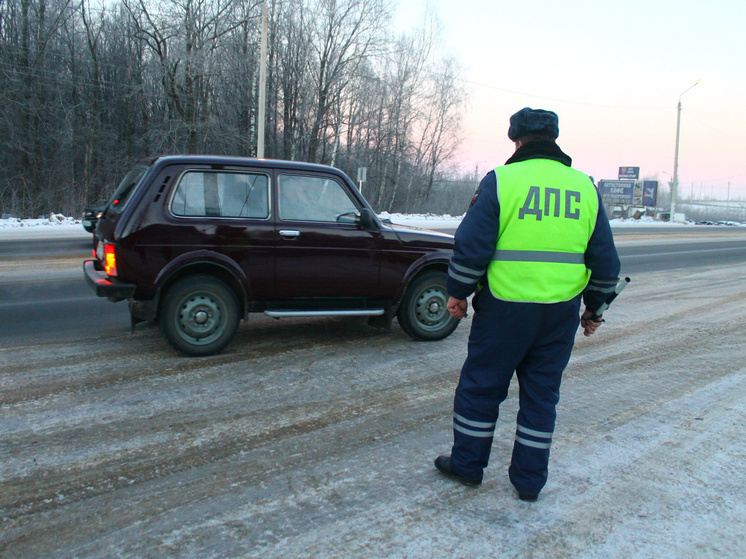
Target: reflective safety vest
547 215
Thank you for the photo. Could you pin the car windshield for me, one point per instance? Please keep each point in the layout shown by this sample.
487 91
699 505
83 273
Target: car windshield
126 188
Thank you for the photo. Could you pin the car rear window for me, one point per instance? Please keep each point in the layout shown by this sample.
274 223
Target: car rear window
221 194
125 189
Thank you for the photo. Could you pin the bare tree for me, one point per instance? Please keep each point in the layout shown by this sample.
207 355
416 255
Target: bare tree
30 92
346 32
406 81
235 94
440 121
88 88
185 37
292 47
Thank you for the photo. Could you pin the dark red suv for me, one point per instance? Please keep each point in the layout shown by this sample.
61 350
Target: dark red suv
198 242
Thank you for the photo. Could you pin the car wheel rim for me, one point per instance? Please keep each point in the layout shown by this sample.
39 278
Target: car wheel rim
201 318
430 308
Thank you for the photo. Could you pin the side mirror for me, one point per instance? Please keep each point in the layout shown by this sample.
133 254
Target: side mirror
366 218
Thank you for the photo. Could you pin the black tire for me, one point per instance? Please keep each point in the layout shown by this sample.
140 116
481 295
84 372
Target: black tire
199 315
423 314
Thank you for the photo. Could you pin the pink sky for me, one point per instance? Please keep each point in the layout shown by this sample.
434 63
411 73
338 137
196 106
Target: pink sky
614 74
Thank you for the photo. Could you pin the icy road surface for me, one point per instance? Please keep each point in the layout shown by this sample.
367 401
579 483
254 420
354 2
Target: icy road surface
315 438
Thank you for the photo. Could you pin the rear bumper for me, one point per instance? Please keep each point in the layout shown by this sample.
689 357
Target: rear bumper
104 286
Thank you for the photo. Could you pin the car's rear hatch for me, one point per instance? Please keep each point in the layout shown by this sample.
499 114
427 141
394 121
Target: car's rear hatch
119 201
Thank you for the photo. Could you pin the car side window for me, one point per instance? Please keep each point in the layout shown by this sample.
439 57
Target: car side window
221 194
307 198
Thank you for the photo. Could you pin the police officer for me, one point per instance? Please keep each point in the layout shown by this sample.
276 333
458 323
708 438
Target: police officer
535 241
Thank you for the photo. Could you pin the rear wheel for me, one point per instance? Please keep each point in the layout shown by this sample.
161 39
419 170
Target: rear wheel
199 316
423 314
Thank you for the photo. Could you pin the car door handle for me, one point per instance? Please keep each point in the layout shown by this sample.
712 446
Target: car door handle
289 233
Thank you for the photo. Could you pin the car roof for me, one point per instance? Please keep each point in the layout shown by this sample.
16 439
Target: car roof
228 160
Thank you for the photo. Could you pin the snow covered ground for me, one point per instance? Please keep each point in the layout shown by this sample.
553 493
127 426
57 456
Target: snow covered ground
315 439
58 225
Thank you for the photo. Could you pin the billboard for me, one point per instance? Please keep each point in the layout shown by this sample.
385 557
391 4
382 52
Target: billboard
649 193
629 172
617 193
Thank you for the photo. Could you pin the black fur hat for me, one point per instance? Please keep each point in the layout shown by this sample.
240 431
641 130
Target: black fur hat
533 121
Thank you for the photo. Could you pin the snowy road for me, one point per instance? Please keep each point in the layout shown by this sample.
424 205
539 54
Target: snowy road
315 438
43 296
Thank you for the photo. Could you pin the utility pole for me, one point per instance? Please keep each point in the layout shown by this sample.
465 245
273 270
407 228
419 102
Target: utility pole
675 185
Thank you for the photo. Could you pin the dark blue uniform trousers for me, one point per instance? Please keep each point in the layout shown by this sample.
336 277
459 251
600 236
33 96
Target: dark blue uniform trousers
533 340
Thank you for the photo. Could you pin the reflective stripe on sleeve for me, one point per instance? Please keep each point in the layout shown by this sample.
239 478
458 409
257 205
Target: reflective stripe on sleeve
462 279
463 274
602 286
466 270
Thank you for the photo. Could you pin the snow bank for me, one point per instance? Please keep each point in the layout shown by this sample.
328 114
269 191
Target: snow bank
58 225
422 220
54 220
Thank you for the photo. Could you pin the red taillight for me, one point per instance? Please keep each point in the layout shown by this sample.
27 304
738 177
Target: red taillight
110 260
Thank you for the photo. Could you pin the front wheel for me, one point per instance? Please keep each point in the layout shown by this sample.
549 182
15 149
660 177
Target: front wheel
199 316
423 314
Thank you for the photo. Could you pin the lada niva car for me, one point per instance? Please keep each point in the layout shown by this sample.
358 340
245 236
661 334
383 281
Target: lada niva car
199 242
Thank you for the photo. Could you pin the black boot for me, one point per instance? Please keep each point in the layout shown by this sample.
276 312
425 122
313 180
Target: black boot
443 463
